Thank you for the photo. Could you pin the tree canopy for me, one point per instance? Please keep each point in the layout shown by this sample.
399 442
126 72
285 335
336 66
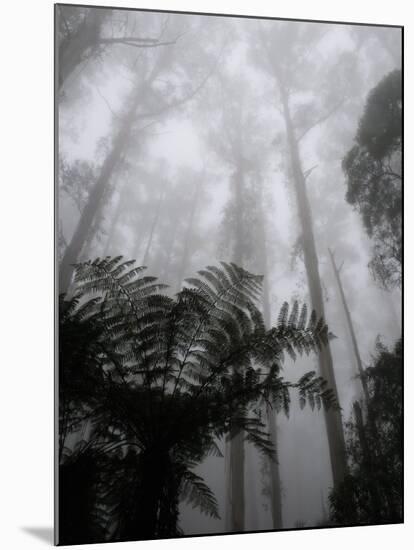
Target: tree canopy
373 170
372 491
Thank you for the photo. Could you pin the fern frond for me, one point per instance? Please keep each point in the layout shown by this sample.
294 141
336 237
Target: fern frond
283 315
198 494
293 318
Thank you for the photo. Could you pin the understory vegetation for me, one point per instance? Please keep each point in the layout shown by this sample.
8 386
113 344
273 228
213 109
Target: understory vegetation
158 382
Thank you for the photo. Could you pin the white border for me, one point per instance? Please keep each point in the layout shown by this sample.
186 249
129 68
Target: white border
26 305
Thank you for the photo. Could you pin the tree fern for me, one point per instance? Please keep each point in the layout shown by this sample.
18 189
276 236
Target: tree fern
157 376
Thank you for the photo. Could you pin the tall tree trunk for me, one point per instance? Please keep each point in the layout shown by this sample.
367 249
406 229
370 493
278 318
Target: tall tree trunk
139 230
170 241
351 328
95 200
333 419
85 253
153 226
122 202
276 485
275 482
97 194
235 448
236 482
98 191
188 238
361 371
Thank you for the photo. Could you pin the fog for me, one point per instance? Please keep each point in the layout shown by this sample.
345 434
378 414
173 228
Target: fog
186 135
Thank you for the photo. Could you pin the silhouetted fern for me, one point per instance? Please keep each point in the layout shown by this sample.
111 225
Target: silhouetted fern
159 380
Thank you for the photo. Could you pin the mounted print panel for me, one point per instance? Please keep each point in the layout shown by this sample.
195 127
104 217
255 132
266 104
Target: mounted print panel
229 252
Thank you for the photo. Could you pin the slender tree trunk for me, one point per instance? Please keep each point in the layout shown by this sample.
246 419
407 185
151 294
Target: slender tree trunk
237 497
333 419
361 371
139 230
275 482
93 230
99 190
95 199
87 247
235 448
351 329
153 226
170 241
276 485
188 238
114 222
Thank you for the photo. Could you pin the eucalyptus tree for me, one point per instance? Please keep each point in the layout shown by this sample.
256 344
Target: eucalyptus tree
171 228
197 180
289 55
162 80
238 135
373 167
85 34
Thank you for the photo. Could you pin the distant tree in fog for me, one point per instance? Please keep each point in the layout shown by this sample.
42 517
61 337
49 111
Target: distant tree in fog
85 33
156 91
239 137
284 56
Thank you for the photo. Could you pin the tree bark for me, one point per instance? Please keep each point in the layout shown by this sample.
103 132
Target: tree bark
276 485
95 199
189 235
333 418
275 482
170 241
153 226
97 194
122 201
235 482
351 329
100 187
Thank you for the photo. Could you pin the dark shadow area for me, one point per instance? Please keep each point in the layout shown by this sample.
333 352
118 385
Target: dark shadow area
42 533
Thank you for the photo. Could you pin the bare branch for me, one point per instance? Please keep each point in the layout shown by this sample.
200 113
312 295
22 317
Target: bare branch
188 97
322 119
309 172
129 39
136 43
106 102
